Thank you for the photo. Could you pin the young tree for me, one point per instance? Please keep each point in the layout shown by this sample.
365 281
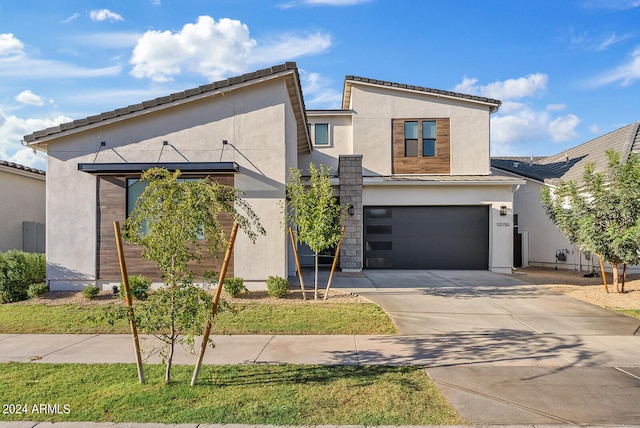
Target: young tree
601 215
174 221
314 211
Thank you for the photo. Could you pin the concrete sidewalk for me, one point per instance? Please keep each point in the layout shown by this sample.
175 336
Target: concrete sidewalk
502 352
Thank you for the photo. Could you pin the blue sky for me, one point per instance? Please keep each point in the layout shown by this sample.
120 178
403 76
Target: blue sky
566 71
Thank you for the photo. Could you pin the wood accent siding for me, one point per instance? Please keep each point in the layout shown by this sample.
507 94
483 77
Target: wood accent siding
112 206
438 164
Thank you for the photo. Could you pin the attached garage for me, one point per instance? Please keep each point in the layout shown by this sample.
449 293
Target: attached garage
426 237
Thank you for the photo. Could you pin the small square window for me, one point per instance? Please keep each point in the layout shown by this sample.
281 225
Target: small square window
321 134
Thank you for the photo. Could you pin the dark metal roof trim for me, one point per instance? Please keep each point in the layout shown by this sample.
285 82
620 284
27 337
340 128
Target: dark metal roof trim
452 94
123 111
185 167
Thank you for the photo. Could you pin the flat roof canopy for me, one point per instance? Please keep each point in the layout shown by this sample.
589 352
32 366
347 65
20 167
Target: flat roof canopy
185 167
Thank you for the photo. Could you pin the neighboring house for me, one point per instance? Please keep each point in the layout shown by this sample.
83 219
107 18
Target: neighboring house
412 162
538 241
22 211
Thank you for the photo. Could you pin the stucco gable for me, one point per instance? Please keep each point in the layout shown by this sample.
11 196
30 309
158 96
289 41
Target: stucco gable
402 87
288 71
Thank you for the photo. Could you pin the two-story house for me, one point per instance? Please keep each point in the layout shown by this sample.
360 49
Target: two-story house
412 162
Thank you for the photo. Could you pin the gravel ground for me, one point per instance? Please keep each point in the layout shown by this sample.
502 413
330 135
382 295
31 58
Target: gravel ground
591 290
567 282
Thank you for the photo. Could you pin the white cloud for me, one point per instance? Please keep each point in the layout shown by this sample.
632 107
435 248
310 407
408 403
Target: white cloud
13 129
215 49
509 89
556 107
563 128
10 45
625 74
71 18
318 93
598 43
595 129
29 98
290 46
104 15
521 126
14 63
611 40
611 4
516 122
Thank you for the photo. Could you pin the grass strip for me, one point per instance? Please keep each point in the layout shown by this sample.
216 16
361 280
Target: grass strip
238 394
251 318
635 313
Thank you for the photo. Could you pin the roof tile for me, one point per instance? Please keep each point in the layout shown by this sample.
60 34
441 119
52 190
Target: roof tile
122 111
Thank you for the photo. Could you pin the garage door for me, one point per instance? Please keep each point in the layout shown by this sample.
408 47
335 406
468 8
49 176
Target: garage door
435 237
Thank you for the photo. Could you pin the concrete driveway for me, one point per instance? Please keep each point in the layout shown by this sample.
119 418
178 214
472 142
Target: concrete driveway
506 352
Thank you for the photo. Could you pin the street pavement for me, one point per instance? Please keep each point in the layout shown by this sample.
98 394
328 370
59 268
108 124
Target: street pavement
503 352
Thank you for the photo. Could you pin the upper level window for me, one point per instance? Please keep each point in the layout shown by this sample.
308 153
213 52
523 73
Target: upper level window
429 138
321 135
411 139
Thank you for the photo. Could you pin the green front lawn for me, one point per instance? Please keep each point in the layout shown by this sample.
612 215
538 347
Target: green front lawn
243 394
248 318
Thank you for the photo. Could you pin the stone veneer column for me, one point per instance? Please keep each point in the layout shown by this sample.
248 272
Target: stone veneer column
350 176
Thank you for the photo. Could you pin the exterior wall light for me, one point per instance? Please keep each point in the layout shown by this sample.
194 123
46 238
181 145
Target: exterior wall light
503 210
350 210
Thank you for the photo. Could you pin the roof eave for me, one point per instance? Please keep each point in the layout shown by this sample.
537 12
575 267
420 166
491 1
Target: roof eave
39 139
436 93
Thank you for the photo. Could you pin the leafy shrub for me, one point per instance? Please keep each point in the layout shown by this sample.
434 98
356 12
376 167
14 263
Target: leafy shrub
90 291
234 286
37 289
277 286
18 270
139 286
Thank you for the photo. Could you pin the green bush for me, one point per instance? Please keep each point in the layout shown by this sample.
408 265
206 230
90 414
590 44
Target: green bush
139 286
90 291
277 286
18 270
37 289
234 286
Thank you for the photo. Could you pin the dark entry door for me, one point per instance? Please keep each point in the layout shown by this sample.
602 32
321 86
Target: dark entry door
427 237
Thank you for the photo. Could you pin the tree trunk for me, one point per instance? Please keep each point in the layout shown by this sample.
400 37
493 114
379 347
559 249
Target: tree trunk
624 277
172 343
616 276
315 294
603 273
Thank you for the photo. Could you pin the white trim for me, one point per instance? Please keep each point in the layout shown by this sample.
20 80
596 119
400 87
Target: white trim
17 171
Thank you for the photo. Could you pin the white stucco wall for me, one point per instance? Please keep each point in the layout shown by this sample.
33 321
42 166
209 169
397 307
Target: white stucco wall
375 106
340 140
23 199
256 121
544 238
500 227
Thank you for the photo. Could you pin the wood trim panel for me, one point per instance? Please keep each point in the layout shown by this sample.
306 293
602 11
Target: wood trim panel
438 164
112 206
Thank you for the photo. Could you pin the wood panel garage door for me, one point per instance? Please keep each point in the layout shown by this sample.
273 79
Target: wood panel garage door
434 237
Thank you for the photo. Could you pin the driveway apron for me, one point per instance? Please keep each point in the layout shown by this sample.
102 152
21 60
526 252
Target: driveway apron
503 351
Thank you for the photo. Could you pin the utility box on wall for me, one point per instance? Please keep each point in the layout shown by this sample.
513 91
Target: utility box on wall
33 237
